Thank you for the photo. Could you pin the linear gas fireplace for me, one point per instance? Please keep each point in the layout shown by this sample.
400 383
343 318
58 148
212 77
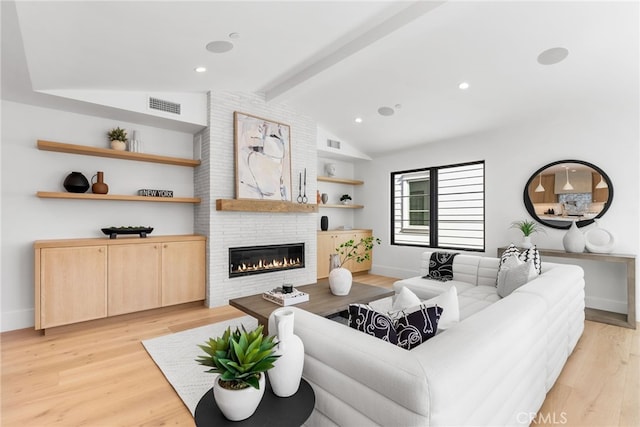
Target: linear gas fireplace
248 260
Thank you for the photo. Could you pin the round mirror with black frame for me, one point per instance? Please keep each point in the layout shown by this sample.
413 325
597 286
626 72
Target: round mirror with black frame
565 191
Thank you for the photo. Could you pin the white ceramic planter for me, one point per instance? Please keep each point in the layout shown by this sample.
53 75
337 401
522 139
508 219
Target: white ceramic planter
287 369
340 280
118 145
238 405
526 242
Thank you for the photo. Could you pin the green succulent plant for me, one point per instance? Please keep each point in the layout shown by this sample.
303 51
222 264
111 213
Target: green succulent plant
359 252
117 134
345 197
240 357
527 227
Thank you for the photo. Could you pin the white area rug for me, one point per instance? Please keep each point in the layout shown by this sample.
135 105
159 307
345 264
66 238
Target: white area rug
175 355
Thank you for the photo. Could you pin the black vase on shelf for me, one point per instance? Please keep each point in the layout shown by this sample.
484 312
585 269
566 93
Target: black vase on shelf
75 182
324 223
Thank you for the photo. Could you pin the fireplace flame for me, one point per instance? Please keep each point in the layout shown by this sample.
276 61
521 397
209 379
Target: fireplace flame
268 265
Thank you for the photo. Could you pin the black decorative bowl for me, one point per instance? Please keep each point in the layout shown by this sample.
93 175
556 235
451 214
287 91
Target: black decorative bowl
113 232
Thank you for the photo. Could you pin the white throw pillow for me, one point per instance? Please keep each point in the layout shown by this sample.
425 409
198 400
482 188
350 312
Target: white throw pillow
451 308
405 299
513 274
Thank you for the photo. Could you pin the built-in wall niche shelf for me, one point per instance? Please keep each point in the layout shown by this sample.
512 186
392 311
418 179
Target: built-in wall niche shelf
114 154
340 180
274 206
342 206
126 198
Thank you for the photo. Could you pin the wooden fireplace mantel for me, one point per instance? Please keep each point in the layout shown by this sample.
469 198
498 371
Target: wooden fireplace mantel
273 206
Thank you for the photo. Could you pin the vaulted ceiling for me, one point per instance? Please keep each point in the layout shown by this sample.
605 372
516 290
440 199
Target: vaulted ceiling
338 60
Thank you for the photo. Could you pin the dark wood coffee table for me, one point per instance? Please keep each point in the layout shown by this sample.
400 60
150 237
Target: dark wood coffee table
321 301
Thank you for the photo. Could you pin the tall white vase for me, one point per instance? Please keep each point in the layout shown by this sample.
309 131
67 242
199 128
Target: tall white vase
287 369
573 240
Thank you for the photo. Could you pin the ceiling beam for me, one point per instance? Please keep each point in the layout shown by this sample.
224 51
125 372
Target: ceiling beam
334 56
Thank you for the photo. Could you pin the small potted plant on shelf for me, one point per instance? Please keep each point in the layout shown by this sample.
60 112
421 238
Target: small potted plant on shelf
528 228
345 199
340 278
118 138
241 358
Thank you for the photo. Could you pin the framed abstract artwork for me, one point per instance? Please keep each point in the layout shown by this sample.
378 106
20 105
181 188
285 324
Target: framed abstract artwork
263 158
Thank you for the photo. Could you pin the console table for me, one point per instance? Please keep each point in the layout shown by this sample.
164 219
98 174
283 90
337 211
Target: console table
625 320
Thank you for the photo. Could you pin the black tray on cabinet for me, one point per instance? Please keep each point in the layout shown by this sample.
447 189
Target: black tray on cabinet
113 232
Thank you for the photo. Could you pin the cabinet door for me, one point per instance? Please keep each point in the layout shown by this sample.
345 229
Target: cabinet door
365 265
326 247
183 272
549 183
134 278
73 285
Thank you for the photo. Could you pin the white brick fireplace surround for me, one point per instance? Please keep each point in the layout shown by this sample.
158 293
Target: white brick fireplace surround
215 179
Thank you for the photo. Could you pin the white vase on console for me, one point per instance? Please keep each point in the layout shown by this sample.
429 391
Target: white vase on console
287 370
573 240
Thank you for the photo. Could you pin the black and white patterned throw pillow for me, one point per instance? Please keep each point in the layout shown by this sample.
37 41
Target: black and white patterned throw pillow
372 322
415 327
530 254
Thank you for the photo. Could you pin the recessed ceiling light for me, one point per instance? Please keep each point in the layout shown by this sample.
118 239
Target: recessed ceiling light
385 111
234 35
553 56
464 85
358 120
200 69
219 46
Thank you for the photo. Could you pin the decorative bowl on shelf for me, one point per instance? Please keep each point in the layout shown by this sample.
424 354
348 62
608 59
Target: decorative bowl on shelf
113 232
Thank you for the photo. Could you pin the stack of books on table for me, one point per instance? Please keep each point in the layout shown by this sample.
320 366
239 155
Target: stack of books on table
276 296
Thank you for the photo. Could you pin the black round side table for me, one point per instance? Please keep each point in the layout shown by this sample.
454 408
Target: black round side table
272 411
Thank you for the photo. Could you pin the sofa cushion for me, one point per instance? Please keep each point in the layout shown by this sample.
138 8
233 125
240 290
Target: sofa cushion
425 288
405 299
415 326
513 274
529 254
365 319
448 300
476 299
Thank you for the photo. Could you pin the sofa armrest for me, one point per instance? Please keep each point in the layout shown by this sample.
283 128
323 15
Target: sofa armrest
352 365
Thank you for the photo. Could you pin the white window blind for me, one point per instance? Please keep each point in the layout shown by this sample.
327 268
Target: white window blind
441 207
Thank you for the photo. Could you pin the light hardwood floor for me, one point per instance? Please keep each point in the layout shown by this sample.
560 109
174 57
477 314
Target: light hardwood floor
99 374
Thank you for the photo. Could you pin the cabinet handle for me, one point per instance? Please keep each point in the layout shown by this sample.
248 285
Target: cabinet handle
100 250
165 246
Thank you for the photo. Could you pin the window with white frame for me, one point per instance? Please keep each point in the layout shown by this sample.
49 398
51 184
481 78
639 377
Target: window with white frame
439 207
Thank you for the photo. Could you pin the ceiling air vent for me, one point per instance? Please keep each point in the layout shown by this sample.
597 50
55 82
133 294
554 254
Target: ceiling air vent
162 105
332 143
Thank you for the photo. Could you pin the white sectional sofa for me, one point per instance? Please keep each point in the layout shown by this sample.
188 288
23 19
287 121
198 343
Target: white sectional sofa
494 367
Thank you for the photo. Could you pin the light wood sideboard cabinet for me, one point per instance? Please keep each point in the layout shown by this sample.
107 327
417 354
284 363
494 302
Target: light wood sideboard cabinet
328 241
85 279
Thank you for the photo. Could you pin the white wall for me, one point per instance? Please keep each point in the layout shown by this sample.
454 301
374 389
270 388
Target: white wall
26 170
609 141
